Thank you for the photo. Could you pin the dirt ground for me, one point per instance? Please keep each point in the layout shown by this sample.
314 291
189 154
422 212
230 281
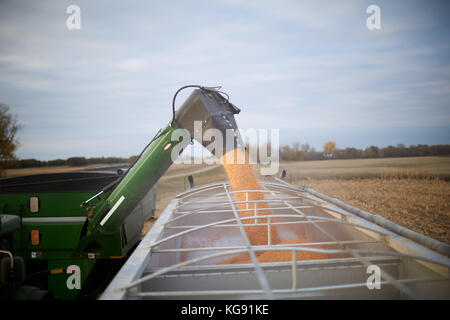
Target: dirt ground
422 205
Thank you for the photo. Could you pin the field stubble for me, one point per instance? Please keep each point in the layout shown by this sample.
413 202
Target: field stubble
422 205
412 192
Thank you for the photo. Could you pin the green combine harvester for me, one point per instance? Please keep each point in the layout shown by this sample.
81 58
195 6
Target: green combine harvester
66 235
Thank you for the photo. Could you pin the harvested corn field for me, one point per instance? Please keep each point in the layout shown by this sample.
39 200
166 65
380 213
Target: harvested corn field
422 205
413 167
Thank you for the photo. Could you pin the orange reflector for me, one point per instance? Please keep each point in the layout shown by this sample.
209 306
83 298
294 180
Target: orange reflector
35 237
115 257
56 271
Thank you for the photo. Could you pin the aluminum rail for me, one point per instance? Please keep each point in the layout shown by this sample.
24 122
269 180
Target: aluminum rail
363 260
294 262
428 242
275 291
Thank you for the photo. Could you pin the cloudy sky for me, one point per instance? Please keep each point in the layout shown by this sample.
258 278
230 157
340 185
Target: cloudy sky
309 68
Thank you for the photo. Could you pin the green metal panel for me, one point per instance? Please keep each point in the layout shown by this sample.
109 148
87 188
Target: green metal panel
64 285
51 204
54 236
58 237
60 221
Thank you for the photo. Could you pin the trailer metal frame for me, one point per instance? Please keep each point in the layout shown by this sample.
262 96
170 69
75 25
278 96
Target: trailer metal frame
156 270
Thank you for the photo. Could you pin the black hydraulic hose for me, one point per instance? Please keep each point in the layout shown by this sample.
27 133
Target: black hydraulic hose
189 86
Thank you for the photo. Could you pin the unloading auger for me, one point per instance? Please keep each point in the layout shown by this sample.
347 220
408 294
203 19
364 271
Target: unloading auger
107 210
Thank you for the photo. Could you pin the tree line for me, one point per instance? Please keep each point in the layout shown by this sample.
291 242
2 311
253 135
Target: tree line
294 152
72 162
301 152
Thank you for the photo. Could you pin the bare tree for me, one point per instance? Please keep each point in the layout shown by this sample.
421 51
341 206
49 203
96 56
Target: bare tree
8 130
296 146
305 147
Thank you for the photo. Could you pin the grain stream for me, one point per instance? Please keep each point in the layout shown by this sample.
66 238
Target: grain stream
242 177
